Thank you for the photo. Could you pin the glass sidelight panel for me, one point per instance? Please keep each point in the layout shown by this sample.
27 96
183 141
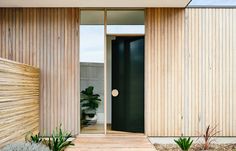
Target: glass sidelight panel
92 72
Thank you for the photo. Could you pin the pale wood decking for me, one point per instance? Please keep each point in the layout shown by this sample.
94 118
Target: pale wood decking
112 142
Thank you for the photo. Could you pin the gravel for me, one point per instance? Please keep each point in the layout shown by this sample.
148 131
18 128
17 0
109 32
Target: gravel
197 147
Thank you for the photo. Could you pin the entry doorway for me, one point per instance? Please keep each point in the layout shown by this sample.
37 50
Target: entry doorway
127 84
98 30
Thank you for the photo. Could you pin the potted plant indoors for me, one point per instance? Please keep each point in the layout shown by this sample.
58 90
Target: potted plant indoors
89 103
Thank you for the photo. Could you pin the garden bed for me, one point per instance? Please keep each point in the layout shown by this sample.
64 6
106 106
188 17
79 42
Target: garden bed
196 147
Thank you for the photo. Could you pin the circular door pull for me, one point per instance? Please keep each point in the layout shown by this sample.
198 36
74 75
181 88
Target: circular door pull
114 92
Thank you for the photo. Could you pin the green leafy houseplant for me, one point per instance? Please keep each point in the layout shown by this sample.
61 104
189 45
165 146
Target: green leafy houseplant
89 104
184 143
59 140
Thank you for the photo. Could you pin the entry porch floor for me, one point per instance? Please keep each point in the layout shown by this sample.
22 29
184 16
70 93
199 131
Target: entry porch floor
112 142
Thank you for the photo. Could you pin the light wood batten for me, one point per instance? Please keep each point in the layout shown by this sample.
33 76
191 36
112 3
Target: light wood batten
19 101
190 71
48 39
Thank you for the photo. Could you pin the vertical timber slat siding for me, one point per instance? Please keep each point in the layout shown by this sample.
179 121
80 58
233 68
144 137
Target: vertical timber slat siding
47 38
164 71
190 71
190 74
19 101
210 46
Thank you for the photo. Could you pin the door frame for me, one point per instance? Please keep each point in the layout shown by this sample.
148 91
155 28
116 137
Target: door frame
106 74
105 64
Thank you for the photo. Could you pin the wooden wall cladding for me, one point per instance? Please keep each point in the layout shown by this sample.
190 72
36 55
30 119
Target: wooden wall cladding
190 71
190 77
19 101
210 70
47 38
164 72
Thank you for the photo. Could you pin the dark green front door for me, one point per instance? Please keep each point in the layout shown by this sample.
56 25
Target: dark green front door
128 79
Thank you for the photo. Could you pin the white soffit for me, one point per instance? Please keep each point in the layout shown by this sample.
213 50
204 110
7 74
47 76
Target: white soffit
94 3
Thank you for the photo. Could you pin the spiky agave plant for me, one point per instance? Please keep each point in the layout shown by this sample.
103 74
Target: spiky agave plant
184 143
59 139
36 138
30 137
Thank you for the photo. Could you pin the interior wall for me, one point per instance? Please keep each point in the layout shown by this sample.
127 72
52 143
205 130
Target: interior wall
190 71
19 101
48 39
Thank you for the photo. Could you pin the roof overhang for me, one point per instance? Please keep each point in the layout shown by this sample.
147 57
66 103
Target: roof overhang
95 3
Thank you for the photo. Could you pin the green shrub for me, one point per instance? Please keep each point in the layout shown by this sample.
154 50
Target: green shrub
184 143
59 140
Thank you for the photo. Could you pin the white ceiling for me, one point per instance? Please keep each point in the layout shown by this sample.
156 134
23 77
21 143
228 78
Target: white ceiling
94 3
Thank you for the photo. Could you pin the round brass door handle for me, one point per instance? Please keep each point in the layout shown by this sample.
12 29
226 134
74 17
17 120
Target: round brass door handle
114 92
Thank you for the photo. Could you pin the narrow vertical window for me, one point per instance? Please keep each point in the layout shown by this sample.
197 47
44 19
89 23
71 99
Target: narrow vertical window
92 72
